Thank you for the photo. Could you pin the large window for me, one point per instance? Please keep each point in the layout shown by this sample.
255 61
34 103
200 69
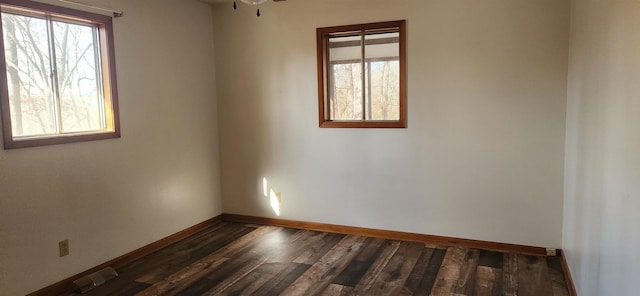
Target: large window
58 75
361 75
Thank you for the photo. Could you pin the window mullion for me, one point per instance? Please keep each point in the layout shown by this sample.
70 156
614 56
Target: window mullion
100 77
55 90
369 90
330 84
331 103
363 74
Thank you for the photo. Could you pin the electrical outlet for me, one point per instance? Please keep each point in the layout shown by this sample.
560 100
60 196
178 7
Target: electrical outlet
63 247
551 252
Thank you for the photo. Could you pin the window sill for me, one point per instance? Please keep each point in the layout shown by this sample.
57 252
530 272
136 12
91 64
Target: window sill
363 124
58 139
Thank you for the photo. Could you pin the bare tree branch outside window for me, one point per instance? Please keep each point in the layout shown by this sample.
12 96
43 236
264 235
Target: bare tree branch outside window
60 75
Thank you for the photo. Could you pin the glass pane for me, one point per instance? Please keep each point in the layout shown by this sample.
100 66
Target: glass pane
383 80
345 85
346 99
78 79
26 52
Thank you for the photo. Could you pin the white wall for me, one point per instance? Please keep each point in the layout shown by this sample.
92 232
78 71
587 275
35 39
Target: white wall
111 197
602 200
482 157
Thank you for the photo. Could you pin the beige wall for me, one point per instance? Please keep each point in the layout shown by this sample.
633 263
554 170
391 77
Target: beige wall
111 197
482 157
602 200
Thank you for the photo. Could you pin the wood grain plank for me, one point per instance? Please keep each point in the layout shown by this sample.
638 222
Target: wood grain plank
229 281
510 274
317 251
217 279
287 272
419 269
305 240
275 261
249 284
156 260
162 265
449 273
277 284
533 276
490 259
252 282
376 268
128 288
559 290
556 274
394 274
317 277
337 290
280 269
267 279
431 273
487 281
356 269
189 274
466 280
223 274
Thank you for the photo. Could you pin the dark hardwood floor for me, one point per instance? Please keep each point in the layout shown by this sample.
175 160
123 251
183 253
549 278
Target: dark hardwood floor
238 259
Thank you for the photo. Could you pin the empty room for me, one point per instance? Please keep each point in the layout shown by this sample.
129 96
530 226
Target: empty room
320 147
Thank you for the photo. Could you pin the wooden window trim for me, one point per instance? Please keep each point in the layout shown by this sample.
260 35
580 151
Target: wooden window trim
107 56
322 37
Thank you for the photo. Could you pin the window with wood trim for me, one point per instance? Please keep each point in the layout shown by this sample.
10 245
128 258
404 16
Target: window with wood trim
362 75
57 70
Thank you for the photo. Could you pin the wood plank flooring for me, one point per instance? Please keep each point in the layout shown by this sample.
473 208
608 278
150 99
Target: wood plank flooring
238 259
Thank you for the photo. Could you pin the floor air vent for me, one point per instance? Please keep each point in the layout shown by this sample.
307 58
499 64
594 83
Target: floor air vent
87 283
